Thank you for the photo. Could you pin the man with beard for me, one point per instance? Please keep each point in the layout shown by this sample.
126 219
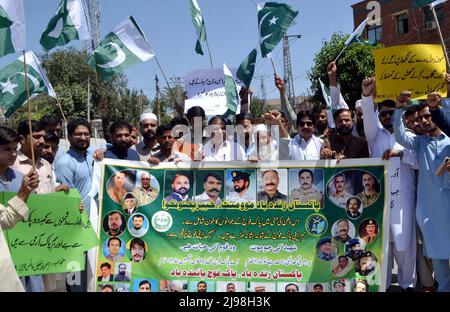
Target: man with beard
166 153
231 287
369 195
148 146
241 185
212 185
307 190
202 287
50 147
432 213
122 275
180 188
115 227
340 196
382 142
137 229
75 168
305 145
145 194
121 137
270 182
137 250
245 120
343 144
321 121
342 231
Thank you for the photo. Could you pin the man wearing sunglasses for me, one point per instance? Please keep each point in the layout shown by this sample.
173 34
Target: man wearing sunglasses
380 136
432 212
305 145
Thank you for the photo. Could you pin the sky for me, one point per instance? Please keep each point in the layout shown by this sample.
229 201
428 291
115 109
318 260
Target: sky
232 31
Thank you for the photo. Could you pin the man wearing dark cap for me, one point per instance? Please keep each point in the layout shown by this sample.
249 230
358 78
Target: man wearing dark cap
129 204
354 250
325 249
367 264
241 185
270 193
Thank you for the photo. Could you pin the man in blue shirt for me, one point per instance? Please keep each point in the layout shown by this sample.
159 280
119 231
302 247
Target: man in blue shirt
75 169
432 213
121 136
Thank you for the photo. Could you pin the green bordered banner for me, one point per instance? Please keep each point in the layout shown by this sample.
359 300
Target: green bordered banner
305 226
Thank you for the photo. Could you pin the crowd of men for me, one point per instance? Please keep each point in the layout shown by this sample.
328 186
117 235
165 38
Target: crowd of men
416 133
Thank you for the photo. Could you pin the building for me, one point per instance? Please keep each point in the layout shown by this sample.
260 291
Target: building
401 23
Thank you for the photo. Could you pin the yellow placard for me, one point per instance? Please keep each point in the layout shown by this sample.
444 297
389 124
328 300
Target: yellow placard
419 68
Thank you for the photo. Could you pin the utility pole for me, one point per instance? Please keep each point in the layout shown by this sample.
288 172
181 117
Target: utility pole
288 77
141 109
158 107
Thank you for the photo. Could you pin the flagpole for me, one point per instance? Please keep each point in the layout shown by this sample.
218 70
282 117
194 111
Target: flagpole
61 110
33 161
209 53
165 78
440 34
341 53
273 65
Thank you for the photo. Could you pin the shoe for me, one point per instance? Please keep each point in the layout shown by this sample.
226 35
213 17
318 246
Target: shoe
429 289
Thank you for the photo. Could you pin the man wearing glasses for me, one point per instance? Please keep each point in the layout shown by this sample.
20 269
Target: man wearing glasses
305 145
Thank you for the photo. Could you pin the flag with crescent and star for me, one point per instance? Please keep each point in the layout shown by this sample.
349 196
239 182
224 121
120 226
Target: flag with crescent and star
70 22
273 20
247 69
13 86
125 46
12 27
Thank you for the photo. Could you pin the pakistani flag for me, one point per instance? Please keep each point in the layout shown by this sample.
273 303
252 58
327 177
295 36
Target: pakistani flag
327 97
12 26
124 46
357 34
230 92
199 25
13 86
422 3
273 20
69 23
247 69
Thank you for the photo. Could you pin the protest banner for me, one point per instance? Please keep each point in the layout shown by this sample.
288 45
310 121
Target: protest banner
206 88
55 236
419 68
319 231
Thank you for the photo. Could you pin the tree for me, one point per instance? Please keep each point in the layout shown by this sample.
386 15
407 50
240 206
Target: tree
169 99
257 107
356 63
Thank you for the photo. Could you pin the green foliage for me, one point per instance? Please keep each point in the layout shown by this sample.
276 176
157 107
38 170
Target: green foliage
257 107
168 101
356 63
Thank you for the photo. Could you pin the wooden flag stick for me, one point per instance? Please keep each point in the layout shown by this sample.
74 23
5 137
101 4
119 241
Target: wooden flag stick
209 53
440 34
335 60
33 160
167 82
273 64
61 110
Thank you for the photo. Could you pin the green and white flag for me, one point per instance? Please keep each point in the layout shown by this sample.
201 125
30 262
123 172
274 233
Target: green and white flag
13 86
357 34
126 45
273 20
199 25
327 97
69 23
12 27
231 92
247 69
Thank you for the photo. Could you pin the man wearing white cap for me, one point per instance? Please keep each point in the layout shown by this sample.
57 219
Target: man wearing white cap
149 146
